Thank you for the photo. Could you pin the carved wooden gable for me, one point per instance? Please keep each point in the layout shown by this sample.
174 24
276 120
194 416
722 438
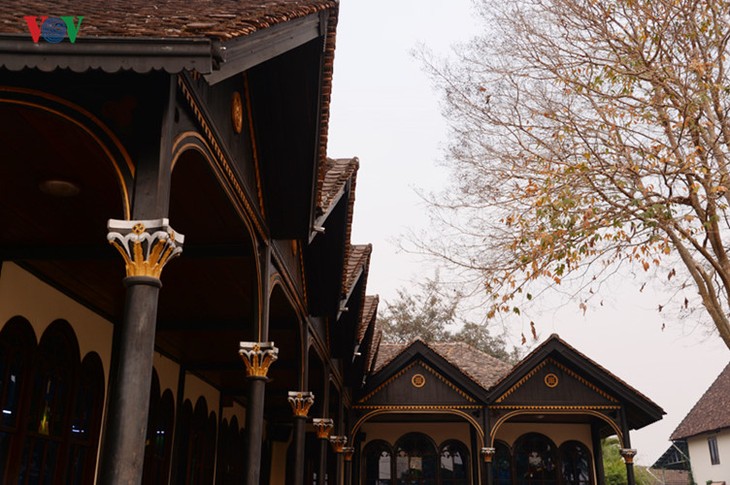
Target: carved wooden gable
551 383
417 384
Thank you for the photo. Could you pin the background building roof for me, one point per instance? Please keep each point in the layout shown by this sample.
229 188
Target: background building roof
711 412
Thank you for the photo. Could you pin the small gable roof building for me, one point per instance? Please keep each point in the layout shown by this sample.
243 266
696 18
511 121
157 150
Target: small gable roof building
442 410
706 429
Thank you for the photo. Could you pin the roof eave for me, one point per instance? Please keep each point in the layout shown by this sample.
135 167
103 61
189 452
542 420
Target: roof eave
239 54
110 54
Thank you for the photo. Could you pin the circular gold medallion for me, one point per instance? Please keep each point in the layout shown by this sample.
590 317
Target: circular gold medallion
237 112
418 380
551 380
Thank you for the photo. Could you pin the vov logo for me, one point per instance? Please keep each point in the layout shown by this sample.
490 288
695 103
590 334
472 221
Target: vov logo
53 29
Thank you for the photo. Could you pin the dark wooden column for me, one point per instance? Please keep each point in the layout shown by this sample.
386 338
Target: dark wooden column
627 452
338 445
146 247
146 243
347 453
258 357
487 453
300 402
323 427
597 454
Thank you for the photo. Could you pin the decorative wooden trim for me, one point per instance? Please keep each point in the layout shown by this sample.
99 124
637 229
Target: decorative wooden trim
579 408
409 367
569 372
219 155
406 407
468 417
545 410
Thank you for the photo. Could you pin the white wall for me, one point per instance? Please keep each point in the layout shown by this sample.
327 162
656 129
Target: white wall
699 456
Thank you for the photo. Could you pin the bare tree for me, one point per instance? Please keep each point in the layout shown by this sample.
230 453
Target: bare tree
587 134
429 310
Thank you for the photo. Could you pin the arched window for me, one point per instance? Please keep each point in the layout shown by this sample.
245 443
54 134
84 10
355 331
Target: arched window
502 464
535 460
160 425
416 460
51 401
86 421
377 466
454 468
17 347
230 451
575 462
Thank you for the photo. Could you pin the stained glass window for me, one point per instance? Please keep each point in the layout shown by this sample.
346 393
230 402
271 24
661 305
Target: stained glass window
535 460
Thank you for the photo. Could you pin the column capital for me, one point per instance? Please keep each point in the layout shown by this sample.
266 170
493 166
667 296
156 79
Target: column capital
487 453
338 443
300 402
258 357
347 452
628 454
146 246
323 427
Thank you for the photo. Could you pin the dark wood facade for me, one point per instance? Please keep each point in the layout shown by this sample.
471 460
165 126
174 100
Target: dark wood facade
225 333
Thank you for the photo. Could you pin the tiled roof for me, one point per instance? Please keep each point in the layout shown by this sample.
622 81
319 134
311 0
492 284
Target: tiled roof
556 338
336 174
480 367
358 257
221 19
711 412
368 313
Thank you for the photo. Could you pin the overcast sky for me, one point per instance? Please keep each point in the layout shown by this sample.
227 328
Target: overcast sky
385 112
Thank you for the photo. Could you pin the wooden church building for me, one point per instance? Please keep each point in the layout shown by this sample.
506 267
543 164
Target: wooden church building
180 300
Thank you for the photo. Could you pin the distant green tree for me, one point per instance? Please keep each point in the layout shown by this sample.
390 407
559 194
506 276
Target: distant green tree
431 312
615 468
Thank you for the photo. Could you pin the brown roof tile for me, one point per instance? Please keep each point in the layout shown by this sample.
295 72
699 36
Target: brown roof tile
480 367
370 307
336 174
221 19
358 257
711 412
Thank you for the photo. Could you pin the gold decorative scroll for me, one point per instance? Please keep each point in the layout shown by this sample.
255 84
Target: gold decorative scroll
300 402
258 357
146 246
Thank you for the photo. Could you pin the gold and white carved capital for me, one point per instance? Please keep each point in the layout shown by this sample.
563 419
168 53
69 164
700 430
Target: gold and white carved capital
628 454
347 452
146 246
323 427
258 357
300 402
338 443
488 453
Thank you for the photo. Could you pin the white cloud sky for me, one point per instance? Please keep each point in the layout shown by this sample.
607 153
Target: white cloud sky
385 112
